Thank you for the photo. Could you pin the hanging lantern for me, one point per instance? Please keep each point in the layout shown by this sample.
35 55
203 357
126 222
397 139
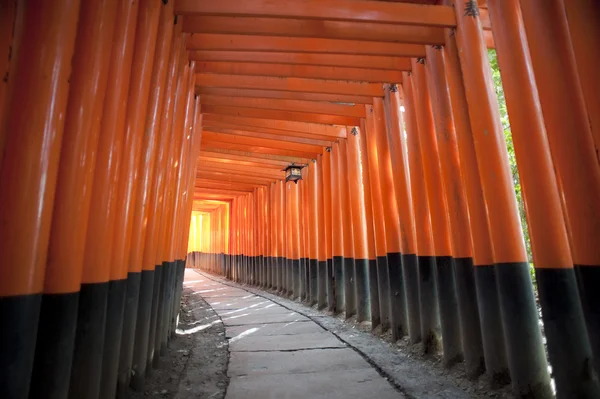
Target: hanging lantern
293 173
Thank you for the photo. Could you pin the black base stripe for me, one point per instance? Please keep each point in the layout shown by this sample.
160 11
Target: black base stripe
338 284
115 308
54 346
322 284
140 345
128 335
383 288
410 268
428 300
469 317
363 290
151 360
398 319
448 305
589 280
313 281
330 285
569 349
86 370
525 351
349 287
492 335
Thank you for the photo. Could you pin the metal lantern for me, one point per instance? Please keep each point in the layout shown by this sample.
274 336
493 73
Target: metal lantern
293 173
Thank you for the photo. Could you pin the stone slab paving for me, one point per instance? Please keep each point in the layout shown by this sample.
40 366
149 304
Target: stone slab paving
278 353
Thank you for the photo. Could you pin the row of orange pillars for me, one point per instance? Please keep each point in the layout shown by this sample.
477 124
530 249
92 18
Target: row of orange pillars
411 223
100 128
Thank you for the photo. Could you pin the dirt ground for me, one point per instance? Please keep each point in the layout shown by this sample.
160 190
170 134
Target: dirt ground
195 365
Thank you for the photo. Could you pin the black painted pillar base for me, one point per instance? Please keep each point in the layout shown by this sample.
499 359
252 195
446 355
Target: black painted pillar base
524 348
151 359
589 280
18 332
363 291
492 333
115 308
349 287
398 319
289 278
313 281
128 335
383 288
54 347
410 268
296 277
469 317
428 300
180 277
568 346
448 305
322 284
330 285
304 270
86 369
140 347
337 264
374 293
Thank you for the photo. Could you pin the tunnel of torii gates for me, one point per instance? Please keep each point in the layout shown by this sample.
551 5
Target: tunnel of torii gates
126 125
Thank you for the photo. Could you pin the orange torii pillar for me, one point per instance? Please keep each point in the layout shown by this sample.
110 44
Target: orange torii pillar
367 297
458 215
396 143
377 219
38 83
438 208
428 301
305 261
272 265
397 295
577 183
337 233
327 211
287 275
524 348
295 240
313 262
347 230
485 276
320 231
58 319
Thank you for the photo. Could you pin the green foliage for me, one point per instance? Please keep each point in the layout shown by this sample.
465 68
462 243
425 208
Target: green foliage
511 150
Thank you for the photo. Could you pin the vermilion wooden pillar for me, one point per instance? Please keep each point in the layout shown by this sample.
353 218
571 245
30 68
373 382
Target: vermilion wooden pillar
485 275
517 304
337 232
378 216
438 209
458 216
143 57
31 133
397 296
396 138
327 211
576 165
428 300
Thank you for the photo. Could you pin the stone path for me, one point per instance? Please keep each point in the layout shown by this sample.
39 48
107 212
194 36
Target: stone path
278 353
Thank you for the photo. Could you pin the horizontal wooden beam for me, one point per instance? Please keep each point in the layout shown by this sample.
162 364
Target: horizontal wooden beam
357 111
300 71
318 59
227 177
316 128
264 163
293 154
340 10
289 84
214 196
262 130
277 94
278 137
208 183
250 163
243 170
259 156
282 115
213 41
324 29
261 142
